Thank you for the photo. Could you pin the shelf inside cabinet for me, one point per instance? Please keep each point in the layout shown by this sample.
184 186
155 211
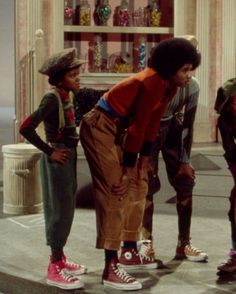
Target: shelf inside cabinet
102 78
118 30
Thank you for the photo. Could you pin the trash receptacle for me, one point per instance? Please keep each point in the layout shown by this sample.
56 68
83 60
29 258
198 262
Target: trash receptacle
21 179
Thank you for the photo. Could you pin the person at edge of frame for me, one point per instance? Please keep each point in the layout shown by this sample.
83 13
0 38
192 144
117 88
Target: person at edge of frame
58 162
225 106
174 141
117 136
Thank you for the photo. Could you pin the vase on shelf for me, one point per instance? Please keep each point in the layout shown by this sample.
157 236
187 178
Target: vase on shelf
139 17
85 14
95 59
104 12
154 14
97 53
140 55
68 13
123 14
120 62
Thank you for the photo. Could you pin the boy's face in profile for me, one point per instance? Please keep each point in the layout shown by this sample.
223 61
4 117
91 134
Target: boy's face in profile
183 75
71 80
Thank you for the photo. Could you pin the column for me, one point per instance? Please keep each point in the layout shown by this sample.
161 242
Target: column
229 40
202 130
28 20
184 17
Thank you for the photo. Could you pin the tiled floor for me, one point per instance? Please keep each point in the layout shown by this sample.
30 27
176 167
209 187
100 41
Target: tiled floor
24 256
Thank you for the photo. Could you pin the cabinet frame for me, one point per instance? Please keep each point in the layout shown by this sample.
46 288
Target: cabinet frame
118 30
108 78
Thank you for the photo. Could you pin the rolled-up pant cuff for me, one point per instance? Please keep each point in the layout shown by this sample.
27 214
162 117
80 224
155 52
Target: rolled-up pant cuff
108 244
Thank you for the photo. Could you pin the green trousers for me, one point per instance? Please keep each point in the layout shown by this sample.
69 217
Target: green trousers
58 187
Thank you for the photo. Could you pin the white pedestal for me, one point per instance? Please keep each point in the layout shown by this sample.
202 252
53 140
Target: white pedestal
21 179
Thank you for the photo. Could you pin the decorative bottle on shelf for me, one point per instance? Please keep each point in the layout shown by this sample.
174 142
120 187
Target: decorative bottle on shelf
85 14
154 14
143 16
139 17
68 13
104 12
95 55
140 55
123 14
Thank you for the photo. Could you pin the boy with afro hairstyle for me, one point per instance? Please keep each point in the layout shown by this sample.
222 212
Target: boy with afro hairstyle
117 137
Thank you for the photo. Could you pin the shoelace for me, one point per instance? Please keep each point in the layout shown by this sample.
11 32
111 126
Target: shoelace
66 276
122 274
71 263
146 250
193 249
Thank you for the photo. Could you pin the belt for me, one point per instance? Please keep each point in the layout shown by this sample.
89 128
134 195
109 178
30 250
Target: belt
111 115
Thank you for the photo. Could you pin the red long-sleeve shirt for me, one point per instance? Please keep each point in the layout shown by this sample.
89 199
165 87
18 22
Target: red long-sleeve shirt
144 95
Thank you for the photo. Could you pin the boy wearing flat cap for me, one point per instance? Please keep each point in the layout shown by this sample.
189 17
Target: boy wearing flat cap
58 162
225 106
117 136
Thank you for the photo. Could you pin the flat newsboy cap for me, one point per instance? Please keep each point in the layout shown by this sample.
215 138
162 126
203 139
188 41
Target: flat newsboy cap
63 60
224 93
230 87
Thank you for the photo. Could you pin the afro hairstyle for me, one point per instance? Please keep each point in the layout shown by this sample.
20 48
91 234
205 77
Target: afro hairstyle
171 54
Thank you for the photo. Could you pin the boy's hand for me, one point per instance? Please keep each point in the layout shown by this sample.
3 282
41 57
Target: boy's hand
123 186
60 155
186 169
144 166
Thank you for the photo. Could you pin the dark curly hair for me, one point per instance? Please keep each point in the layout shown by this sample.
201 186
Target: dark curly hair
171 54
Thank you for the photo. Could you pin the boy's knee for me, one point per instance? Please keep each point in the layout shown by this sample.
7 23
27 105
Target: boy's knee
183 185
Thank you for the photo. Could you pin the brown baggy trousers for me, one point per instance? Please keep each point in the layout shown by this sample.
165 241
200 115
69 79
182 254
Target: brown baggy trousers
118 218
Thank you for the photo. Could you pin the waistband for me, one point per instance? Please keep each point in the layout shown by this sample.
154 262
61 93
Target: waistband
113 117
107 108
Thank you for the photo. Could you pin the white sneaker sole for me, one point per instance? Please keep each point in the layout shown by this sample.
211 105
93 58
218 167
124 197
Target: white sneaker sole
140 266
76 285
125 287
202 257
